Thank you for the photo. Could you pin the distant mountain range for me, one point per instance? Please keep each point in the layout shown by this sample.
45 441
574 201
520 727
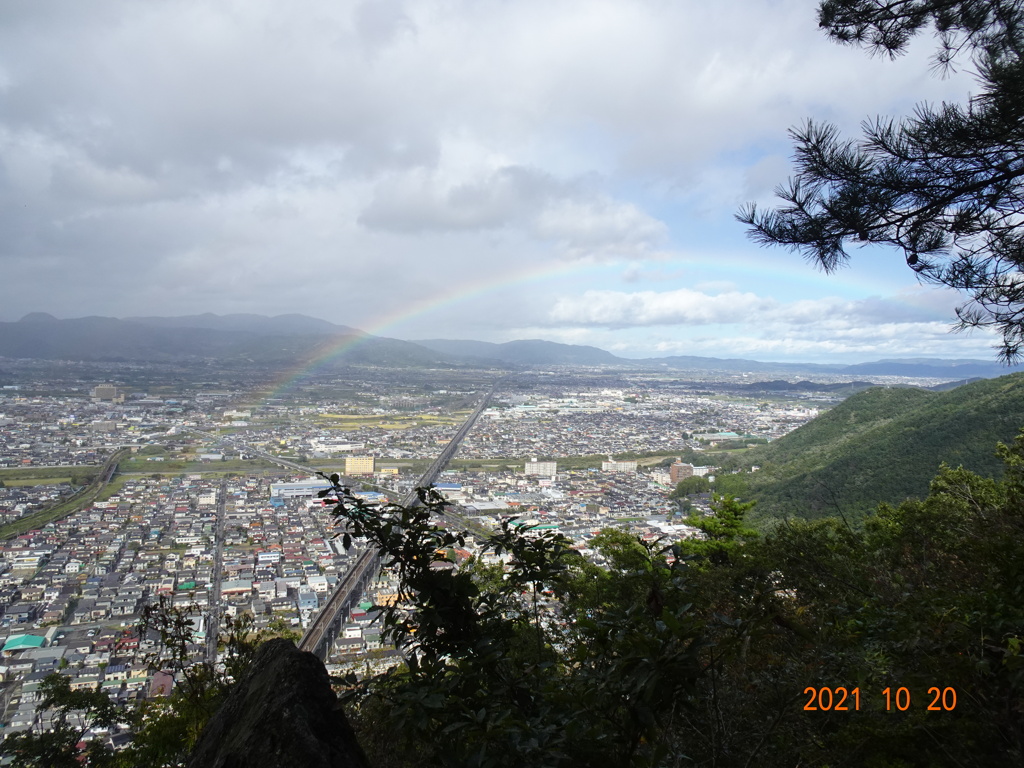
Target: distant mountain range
535 352
288 340
279 325
529 352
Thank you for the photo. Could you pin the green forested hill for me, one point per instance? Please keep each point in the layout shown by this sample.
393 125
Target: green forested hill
885 445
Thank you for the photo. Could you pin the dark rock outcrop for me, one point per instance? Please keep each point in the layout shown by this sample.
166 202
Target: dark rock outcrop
283 714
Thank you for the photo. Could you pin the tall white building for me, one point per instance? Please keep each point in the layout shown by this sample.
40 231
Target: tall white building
618 466
542 468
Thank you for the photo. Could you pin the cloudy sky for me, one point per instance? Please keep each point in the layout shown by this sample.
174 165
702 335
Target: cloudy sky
488 169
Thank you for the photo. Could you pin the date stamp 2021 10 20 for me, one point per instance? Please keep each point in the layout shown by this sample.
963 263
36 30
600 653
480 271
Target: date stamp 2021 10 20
843 699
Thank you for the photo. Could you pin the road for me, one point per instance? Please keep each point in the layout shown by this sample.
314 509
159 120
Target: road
368 560
216 609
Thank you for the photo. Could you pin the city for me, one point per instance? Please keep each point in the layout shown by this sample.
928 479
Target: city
573 384
198 509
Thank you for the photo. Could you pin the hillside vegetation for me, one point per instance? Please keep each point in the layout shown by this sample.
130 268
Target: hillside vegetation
896 645
883 445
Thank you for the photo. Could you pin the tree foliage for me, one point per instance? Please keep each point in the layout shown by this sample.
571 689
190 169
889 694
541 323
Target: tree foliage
714 650
494 677
709 650
944 186
926 596
690 485
722 531
882 445
164 728
74 714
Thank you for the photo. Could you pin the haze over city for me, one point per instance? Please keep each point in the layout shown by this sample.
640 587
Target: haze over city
558 170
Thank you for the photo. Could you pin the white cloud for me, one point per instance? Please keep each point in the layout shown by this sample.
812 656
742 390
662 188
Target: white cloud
617 309
600 227
898 340
193 156
684 306
575 214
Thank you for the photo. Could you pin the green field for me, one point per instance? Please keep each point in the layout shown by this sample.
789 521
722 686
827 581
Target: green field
112 488
352 422
36 481
64 508
7 474
41 518
180 466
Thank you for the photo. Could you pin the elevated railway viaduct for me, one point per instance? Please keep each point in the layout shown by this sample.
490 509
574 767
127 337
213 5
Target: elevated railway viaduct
326 625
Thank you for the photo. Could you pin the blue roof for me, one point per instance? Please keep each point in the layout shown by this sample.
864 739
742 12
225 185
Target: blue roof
21 642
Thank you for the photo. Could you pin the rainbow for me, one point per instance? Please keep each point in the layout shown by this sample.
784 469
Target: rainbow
792 270
410 311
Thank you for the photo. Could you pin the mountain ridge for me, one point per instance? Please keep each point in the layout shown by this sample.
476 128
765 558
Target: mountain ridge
194 338
296 337
286 324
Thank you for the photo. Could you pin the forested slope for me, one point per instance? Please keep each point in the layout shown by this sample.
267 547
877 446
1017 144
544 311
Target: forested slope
885 445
